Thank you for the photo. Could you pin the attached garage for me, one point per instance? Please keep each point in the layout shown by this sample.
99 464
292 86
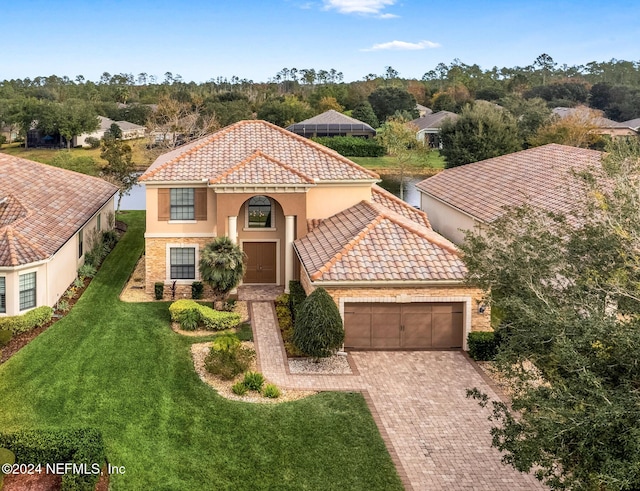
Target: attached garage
404 325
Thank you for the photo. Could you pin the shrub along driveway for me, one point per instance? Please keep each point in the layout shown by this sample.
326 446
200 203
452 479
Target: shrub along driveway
118 367
439 438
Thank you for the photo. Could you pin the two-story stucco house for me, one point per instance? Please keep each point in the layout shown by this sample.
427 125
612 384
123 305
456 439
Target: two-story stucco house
46 216
302 211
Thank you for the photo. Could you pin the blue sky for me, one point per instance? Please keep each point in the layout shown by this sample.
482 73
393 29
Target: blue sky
204 39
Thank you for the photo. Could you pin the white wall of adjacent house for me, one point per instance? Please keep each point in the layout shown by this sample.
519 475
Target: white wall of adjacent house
446 220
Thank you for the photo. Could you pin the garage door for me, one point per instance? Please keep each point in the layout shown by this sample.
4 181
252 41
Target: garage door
403 325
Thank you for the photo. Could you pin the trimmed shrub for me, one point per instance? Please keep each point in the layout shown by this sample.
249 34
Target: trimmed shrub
204 317
318 329
297 295
22 323
226 364
285 321
271 391
226 342
79 446
196 290
5 337
158 290
351 146
92 141
239 389
482 345
253 381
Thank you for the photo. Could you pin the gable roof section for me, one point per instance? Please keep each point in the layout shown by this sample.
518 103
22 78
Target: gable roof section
369 242
45 207
211 157
433 120
384 198
261 169
541 177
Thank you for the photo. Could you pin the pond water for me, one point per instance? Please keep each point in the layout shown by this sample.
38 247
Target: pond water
135 200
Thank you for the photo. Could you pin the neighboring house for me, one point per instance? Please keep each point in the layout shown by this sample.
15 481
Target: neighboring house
332 123
303 212
130 131
429 127
593 117
473 195
633 124
10 132
46 216
423 110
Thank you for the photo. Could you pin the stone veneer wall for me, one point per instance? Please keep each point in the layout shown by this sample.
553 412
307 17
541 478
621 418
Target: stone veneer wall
479 322
156 264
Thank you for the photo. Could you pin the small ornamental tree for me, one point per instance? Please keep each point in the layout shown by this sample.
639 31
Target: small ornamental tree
318 329
222 267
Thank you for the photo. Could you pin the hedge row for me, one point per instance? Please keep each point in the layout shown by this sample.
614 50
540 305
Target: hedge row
483 345
350 146
191 315
18 324
77 446
297 295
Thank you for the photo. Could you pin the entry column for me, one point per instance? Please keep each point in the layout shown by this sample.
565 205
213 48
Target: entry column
232 226
289 237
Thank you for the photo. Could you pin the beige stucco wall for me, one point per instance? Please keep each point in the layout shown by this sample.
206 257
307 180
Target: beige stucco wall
327 200
178 228
445 220
54 275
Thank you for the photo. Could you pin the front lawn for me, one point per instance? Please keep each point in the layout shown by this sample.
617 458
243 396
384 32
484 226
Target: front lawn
119 367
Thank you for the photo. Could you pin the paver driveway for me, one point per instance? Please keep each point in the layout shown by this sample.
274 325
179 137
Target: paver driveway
437 437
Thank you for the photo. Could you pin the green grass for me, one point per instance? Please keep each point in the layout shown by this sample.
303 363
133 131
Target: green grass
119 367
433 160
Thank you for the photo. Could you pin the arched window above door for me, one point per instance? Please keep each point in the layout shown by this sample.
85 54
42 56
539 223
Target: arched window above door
260 213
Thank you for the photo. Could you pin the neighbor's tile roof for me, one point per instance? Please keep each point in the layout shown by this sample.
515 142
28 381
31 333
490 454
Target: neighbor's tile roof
632 123
369 242
541 177
433 120
210 158
45 206
385 198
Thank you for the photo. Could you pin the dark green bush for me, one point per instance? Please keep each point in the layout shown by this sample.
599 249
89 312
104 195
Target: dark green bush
5 337
197 289
318 329
22 323
79 446
109 239
253 381
285 321
92 141
158 290
297 295
482 345
227 364
351 146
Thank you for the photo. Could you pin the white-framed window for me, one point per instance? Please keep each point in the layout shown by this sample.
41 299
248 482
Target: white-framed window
182 263
27 290
3 295
260 213
183 204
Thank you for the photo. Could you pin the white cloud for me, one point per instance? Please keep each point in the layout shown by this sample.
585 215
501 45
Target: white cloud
388 16
371 7
402 46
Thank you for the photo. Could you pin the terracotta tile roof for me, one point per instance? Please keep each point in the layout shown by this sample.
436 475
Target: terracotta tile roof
313 223
45 207
369 242
261 169
539 176
211 157
385 198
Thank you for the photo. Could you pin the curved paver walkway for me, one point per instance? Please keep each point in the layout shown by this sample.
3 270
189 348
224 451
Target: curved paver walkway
437 437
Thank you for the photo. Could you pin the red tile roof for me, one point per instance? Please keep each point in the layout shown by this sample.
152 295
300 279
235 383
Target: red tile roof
212 157
369 242
261 169
385 198
541 177
44 207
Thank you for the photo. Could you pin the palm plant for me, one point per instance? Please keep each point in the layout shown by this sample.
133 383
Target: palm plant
222 267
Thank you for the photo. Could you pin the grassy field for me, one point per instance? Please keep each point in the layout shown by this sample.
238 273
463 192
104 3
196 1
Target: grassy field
119 367
433 160
85 160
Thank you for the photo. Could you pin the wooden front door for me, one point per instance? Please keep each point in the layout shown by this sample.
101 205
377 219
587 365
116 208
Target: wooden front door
261 262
